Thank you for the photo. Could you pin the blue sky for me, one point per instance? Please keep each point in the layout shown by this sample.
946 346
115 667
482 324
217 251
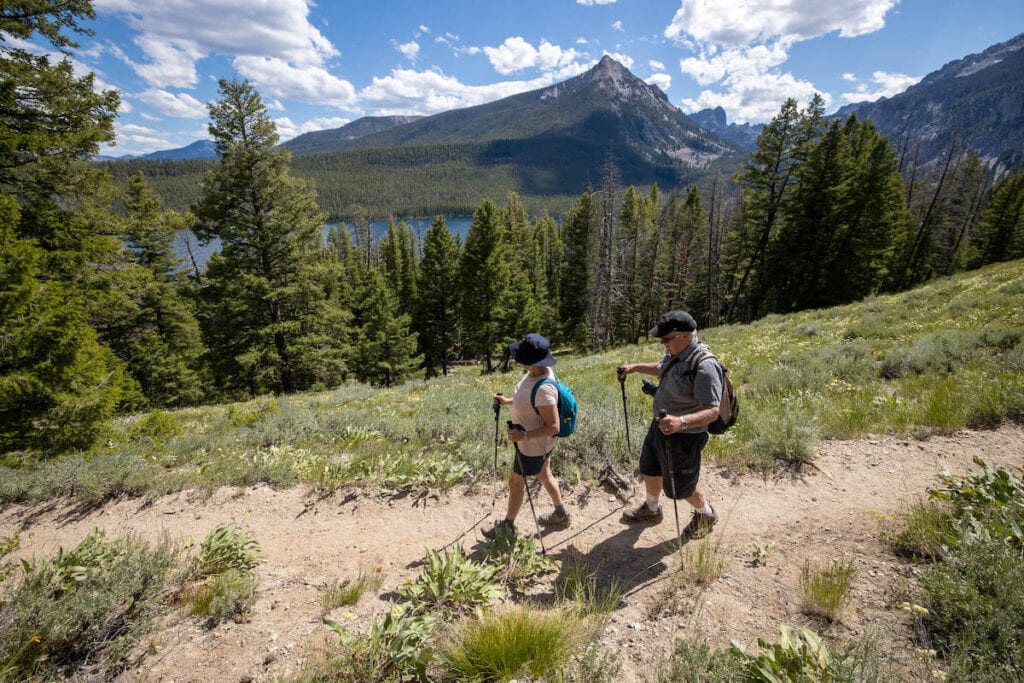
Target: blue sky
321 65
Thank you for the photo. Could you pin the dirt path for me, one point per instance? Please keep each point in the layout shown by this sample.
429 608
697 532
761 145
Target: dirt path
830 511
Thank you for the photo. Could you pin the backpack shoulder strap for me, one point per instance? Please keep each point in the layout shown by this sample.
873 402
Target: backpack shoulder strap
698 357
533 392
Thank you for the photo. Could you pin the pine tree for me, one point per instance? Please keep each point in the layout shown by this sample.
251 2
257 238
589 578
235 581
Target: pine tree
436 318
1001 231
268 319
385 353
57 382
151 325
485 276
577 277
58 250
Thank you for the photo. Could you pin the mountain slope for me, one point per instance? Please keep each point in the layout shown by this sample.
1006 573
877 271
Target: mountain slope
977 101
714 121
579 121
200 149
320 140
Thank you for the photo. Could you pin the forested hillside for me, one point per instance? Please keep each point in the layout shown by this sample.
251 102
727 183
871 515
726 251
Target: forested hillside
99 315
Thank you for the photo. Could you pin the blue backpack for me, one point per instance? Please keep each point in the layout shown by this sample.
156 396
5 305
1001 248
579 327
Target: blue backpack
567 406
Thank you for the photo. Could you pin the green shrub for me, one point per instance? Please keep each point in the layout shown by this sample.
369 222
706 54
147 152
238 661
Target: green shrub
825 590
349 591
516 559
923 534
79 614
451 583
584 587
513 642
228 595
226 548
394 648
802 655
784 436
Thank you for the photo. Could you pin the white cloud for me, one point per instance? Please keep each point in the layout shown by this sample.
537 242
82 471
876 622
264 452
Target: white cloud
173 35
617 26
405 91
516 54
754 98
182 105
741 45
656 65
852 78
286 129
886 85
740 22
623 59
277 78
591 3
410 49
662 80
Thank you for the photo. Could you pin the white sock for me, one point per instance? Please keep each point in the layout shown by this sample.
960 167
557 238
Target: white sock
706 510
653 502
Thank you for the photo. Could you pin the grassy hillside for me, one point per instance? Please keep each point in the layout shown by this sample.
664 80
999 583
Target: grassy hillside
936 359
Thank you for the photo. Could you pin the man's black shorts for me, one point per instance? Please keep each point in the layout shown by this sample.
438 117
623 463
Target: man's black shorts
684 449
532 464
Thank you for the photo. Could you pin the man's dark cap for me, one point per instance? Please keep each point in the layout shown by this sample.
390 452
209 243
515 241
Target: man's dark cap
532 350
674 321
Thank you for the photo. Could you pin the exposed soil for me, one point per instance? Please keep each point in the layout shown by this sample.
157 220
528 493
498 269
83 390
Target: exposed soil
837 508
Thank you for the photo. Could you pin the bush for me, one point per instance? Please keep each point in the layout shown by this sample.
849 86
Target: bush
825 590
451 583
78 614
221 583
515 559
513 642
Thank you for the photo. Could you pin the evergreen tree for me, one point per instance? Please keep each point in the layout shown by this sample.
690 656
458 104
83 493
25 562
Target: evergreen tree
1001 231
59 246
524 304
152 325
485 277
385 353
577 277
269 321
57 382
436 319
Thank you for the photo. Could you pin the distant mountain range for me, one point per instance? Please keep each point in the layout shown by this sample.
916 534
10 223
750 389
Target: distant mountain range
321 140
975 103
714 120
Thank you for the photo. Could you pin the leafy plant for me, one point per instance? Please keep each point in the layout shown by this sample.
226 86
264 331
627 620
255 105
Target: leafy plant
825 590
394 647
799 655
760 550
451 583
227 548
516 559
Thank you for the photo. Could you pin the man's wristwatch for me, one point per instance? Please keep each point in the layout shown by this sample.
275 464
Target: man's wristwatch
682 423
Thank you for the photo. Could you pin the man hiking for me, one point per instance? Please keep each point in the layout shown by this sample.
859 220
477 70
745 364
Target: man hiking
685 402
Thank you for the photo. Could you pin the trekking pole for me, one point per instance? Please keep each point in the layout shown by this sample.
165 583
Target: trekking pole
497 414
529 496
671 480
625 412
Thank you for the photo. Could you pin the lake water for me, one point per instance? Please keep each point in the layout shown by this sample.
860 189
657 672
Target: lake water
459 225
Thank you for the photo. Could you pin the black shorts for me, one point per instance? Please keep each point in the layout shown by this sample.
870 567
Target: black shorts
530 466
684 450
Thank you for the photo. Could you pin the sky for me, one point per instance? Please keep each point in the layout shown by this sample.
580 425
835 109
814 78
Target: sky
320 65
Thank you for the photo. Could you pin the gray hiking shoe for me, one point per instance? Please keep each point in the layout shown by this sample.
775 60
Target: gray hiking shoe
557 518
643 514
504 527
700 525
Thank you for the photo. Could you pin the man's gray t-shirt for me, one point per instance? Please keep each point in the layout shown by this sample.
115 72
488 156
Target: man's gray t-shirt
680 393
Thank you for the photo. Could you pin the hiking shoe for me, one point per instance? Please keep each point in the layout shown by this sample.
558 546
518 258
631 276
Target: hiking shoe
505 526
643 514
556 518
700 525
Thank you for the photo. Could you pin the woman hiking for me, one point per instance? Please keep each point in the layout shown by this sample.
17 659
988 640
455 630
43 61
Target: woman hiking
532 433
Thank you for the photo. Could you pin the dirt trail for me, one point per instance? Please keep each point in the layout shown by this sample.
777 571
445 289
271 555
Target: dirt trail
831 510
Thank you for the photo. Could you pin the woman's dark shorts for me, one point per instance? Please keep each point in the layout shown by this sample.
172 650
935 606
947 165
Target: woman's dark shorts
684 449
532 464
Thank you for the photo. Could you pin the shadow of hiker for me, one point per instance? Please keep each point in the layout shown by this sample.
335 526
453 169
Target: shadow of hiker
619 562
